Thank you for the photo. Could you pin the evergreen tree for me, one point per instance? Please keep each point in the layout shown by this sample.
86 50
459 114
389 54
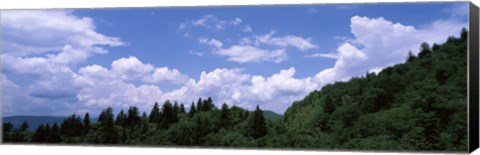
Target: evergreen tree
86 123
133 117
7 127
464 34
154 114
121 119
24 126
144 116
176 108
168 115
410 57
424 50
224 120
39 135
54 134
72 126
182 109
208 104
108 135
193 110
257 124
200 105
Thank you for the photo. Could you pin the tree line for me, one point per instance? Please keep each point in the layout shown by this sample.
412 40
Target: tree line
131 127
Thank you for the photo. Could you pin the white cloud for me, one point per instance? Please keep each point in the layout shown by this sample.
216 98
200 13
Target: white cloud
379 43
118 94
130 68
250 51
200 54
236 21
181 26
34 32
164 74
244 54
323 55
233 86
247 28
212 42
282 83
210 22
89 75
289 40
37 66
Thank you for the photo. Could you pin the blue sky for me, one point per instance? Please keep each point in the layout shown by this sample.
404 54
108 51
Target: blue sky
58 62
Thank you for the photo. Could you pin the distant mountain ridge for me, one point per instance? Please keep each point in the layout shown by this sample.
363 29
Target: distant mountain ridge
33 121
270 115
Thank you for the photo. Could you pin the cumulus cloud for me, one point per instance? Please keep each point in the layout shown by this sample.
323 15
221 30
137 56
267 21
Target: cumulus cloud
130 68
118 94
164 74
70 38
103 87
379 43
235 87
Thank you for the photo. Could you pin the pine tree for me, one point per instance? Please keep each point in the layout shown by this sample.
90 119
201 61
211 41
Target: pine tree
257 124
86 123
47 132
39 135
200 105
464 34
168 115
108 134
208 104
7 127
154 114
24 126
193 110
224 116
121 118
424 50
54 134
144 115
176 108
133 117
182 109
410 57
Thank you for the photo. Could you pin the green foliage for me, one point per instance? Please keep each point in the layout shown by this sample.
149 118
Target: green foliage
257 127
24 126
86 123
418 105
7 127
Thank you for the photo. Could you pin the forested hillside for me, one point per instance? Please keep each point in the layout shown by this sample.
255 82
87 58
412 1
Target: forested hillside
417 105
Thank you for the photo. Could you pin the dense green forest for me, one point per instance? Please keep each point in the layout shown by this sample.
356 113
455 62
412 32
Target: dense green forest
417 105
